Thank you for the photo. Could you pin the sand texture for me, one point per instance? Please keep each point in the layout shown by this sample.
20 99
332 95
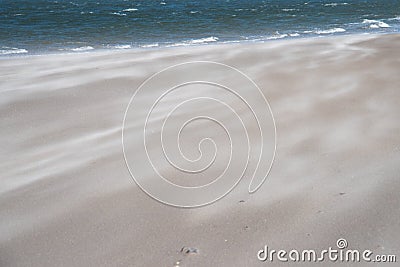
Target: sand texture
67 198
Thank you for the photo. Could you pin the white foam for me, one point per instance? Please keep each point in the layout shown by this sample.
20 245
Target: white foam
178 44
123 46
375 24
163 3
12 50
294 34
130 9
382 24
279 36
395 18
334 30
150 45
82 48
118 14
204 40
289 9
195 41
336 4
370 21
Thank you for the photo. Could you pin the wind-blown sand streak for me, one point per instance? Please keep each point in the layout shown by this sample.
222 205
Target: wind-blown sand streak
67 199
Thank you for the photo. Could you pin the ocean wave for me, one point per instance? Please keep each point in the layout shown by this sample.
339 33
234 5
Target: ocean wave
194 42
277 36
289 9
12 50
122 46
118 14
333 30
284 35
82 48
336 4
365 21
149 45
375 24
204 40
177 44
395 18
130 9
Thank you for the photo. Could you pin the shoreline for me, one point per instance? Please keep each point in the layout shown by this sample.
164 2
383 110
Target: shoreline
217 43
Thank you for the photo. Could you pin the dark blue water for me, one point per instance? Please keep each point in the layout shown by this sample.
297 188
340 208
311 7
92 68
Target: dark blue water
42 26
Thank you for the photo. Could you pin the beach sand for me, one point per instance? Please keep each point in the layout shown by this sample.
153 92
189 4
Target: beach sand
67 198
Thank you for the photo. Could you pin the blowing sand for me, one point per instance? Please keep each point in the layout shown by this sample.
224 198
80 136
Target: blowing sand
67 198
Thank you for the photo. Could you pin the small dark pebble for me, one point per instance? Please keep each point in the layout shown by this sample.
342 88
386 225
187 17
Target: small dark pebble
342 193
241 201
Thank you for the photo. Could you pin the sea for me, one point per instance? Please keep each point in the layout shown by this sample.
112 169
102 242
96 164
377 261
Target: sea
59 26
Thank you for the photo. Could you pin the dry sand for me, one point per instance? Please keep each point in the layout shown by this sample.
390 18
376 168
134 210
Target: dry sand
67 199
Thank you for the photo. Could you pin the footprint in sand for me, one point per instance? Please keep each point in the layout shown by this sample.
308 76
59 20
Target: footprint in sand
189 250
